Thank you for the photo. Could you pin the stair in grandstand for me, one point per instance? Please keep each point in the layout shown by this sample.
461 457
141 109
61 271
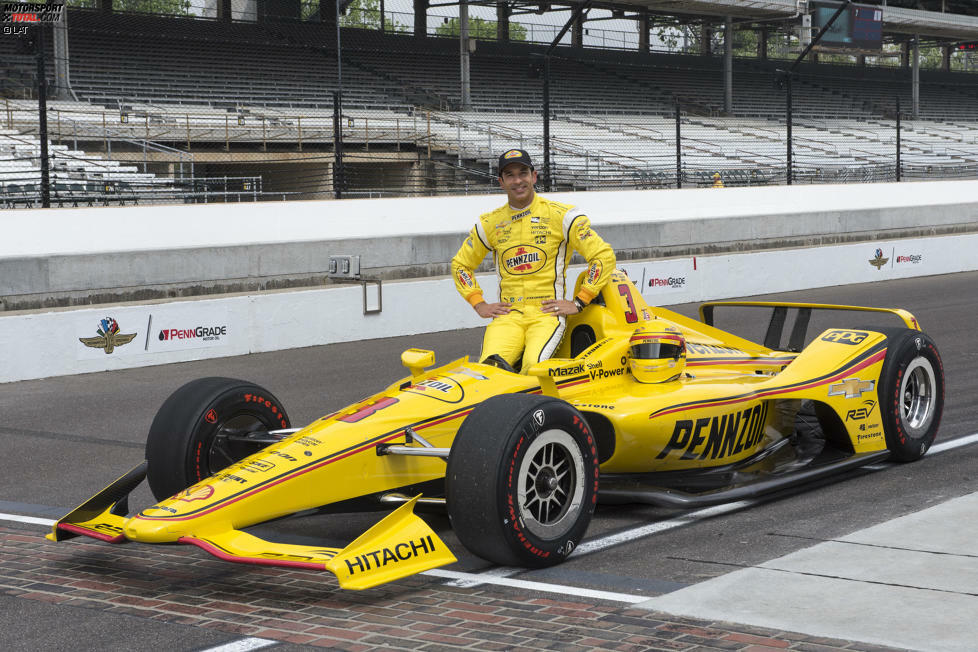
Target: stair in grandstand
77 178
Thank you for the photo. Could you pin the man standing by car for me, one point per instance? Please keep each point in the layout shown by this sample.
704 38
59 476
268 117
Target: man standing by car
532 240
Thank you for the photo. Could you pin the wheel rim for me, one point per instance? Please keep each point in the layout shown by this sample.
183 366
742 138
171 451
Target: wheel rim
222 451
551 488
917 397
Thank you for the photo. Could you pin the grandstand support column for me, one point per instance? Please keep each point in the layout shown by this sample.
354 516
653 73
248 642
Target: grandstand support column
328 13
728 65
899 162
706 30
915 75
946 58
547 185
502 21
577 33
679 146
104 6
337 146
421 18
644 25
579 11
62 79
762 43
788 74
42 115
788 115
463 45
224 11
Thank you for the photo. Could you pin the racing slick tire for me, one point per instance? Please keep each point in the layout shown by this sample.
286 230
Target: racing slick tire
911 394
188 441
522 480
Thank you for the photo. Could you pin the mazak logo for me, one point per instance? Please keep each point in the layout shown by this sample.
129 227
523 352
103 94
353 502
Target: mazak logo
674 282
27 12
567 371
109 336
523 259
845 337
202 333
878 260
913 259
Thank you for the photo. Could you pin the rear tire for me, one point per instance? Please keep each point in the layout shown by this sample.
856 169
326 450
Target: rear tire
522 480
188 441
911 394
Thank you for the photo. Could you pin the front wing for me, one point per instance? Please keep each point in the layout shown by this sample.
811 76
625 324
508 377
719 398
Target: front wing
400 545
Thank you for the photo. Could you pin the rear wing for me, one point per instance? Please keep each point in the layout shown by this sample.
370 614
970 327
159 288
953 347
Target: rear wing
799 329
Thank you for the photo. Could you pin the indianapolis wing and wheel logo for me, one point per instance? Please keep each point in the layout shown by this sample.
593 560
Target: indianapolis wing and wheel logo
878 261
109 337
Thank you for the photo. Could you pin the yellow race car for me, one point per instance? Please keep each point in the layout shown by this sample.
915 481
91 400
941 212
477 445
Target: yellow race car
640 404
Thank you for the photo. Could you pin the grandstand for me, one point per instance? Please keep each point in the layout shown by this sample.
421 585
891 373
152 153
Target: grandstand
164 102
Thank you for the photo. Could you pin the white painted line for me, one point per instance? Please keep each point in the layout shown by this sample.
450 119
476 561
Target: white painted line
600 544
499 571
541 586
953 443
595 545
499 575
26 519
243 645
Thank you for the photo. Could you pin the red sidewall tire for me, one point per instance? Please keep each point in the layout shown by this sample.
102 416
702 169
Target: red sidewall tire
911 394
183 448
522 480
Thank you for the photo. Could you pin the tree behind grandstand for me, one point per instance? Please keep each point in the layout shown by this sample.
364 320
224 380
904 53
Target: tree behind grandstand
365 14
482 29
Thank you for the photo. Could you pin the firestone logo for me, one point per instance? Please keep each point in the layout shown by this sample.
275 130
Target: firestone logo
203 333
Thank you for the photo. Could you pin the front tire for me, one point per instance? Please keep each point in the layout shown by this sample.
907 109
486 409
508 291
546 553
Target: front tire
188 440
522 480
911 394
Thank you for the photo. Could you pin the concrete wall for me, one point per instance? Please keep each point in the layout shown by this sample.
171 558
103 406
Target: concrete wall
37 344
91 255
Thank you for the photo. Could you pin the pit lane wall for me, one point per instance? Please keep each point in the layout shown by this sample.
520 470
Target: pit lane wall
39 344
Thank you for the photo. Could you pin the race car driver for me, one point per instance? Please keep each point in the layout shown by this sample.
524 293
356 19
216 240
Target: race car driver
532 240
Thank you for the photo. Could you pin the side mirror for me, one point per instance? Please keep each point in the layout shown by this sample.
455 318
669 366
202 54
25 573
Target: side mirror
416 360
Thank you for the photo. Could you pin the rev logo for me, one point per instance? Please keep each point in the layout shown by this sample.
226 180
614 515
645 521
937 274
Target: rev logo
845 337
861 413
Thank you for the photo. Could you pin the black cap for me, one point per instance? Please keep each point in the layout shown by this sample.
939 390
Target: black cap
514 156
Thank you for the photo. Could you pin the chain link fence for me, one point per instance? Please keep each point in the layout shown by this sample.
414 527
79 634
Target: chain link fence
222 101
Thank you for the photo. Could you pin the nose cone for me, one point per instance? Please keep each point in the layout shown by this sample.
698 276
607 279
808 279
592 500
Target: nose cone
149 527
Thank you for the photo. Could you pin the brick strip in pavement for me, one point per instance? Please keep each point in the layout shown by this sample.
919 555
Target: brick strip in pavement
180 584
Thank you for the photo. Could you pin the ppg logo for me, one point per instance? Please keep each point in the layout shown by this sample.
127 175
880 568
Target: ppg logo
845 337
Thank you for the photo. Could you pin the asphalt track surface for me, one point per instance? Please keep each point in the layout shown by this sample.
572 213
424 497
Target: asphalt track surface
66 438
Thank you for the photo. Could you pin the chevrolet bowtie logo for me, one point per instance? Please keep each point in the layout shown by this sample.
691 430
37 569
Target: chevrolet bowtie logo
851 388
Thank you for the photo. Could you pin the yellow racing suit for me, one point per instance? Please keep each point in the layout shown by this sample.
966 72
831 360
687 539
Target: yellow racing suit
531 250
